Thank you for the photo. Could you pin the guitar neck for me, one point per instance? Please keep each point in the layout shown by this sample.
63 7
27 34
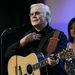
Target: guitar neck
43 62
63 54
40 64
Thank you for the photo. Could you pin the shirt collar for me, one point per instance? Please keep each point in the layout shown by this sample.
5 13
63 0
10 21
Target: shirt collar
44 30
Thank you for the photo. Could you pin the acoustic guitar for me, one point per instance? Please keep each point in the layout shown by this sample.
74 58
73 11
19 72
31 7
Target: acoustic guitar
31 64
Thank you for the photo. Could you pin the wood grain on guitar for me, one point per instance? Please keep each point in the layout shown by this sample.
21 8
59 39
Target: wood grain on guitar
30 65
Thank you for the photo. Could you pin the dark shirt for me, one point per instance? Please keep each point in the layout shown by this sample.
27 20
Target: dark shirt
41 46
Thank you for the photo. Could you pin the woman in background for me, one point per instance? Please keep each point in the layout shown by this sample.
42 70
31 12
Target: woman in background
71 32
70 63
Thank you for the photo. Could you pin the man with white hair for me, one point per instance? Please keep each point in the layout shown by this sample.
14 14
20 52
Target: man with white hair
37 39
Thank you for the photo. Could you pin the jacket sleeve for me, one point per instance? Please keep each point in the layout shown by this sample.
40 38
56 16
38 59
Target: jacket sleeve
14 49
62 44
11 50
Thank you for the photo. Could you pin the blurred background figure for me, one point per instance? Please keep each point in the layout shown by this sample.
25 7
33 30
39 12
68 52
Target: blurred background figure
70 63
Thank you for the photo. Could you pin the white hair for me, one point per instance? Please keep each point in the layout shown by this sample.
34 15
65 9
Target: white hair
45 8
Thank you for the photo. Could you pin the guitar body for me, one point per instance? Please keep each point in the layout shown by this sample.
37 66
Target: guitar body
33 64
19 65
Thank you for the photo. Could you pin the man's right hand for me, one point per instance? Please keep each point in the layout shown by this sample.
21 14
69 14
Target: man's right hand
29 38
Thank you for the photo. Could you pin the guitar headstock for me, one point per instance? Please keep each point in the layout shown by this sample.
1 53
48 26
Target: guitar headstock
65 53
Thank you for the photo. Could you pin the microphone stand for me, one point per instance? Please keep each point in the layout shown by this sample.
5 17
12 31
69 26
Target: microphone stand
1 38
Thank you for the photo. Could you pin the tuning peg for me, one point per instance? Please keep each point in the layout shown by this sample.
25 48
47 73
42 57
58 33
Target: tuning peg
66 48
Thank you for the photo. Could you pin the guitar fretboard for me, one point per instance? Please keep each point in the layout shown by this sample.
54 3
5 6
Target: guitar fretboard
41 64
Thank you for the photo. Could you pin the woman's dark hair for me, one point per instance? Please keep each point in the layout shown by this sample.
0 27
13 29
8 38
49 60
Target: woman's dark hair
69 28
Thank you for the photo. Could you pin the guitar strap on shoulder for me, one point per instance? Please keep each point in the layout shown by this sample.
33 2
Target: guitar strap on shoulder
53 42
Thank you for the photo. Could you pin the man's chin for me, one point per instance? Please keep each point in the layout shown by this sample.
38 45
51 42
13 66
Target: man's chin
35 25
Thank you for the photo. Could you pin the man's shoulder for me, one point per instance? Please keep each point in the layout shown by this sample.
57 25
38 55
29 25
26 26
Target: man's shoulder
61 34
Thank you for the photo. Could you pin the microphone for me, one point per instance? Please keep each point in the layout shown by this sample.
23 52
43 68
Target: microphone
5 31
1 43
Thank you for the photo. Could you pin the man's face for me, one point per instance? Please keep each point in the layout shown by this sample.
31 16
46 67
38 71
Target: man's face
37 16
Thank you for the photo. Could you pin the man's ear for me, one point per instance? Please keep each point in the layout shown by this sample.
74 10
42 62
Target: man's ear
47 16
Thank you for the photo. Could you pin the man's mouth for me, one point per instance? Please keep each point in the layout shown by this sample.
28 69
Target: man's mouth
34 20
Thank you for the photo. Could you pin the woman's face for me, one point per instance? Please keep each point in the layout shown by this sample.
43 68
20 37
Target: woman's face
72 30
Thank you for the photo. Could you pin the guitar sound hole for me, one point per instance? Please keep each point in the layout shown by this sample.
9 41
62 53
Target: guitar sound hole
33 73
29 69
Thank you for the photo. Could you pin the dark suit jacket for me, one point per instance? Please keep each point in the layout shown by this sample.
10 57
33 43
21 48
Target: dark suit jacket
41 46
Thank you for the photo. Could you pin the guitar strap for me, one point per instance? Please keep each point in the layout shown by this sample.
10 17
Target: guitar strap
53 42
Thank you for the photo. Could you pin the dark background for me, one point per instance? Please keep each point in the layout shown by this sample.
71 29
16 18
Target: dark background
13 14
